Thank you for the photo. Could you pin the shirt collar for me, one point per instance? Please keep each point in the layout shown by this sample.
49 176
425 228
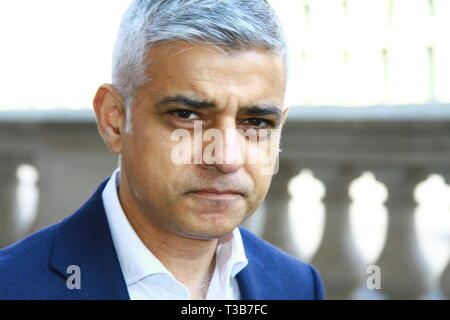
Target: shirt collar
137 262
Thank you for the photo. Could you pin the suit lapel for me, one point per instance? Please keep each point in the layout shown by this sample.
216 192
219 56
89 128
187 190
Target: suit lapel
255 280
249 285
84 240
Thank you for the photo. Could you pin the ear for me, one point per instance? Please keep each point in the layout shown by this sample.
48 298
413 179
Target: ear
110 113
284 114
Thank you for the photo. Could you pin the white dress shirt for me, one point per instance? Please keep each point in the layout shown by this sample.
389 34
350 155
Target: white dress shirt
147 278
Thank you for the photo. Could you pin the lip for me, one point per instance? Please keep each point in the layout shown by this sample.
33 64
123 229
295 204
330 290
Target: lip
216 194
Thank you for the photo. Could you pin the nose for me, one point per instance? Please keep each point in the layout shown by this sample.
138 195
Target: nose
229 156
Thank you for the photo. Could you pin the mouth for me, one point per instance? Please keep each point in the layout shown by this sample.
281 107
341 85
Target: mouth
214 194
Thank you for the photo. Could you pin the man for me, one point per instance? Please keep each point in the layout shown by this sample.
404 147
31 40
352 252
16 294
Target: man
160 228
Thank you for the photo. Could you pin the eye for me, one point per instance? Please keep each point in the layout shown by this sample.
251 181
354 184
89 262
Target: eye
185 114
258 123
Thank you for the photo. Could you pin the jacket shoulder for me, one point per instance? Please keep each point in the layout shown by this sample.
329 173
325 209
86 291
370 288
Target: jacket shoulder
24 266
283 268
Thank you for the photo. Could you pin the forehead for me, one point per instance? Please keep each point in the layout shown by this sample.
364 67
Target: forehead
210 73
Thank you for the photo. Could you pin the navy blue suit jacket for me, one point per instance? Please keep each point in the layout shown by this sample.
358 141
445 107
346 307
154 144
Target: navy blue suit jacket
36 267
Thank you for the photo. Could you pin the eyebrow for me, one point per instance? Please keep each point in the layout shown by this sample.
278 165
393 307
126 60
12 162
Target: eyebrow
265 109
185 101
262 110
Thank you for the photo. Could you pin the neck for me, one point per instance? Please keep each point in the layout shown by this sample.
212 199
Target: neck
189 260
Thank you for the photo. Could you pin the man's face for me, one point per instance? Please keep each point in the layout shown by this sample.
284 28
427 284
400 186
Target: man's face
226 92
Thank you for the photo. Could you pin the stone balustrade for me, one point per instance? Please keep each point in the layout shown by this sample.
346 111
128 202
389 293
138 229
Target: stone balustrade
401 146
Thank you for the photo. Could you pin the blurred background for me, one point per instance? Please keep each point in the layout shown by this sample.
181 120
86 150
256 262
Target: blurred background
365 167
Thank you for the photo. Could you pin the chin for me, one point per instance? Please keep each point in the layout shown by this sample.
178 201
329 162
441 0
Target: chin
208 231
200 221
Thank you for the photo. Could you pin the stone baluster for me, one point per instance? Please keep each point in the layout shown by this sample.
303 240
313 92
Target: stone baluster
404 272
445 278
8 199
277 228
337 259
445 282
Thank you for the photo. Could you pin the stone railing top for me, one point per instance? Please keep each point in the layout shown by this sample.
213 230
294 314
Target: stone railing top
440 112
47 116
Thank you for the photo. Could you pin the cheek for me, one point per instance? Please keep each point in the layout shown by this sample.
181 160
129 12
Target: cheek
261 181
152 145
148 153
261 157
261 186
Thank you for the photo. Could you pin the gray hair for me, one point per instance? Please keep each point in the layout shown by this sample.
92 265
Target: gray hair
226 24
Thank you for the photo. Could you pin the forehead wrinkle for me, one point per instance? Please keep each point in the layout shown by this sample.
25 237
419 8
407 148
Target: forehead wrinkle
212 80
214 89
